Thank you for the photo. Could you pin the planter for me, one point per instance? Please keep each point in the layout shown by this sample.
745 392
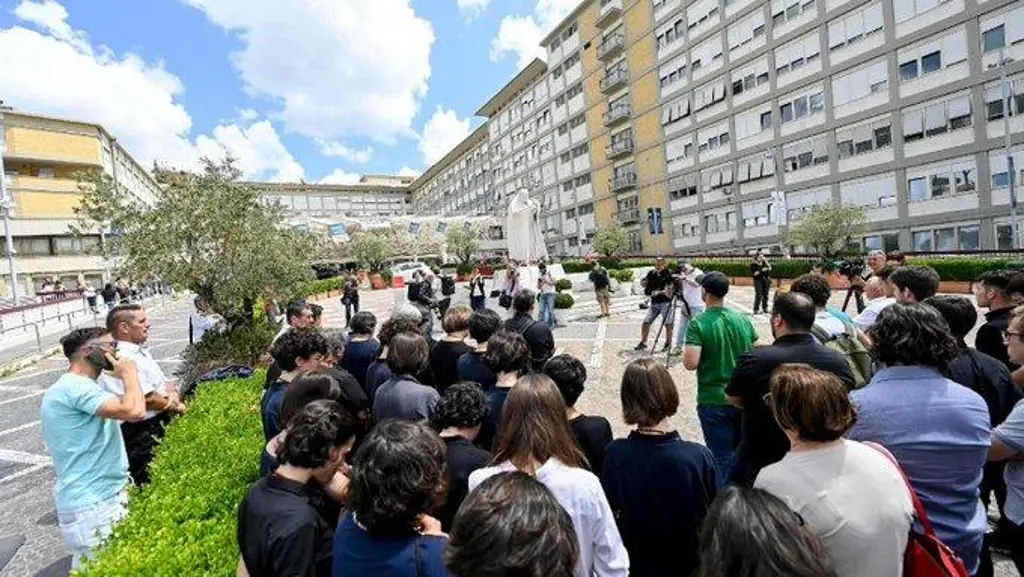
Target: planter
362 276
955 287
461 277
377 281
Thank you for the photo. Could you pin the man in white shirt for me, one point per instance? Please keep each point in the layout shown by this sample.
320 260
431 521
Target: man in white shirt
297 315
691 303
201 321
876 290
129 326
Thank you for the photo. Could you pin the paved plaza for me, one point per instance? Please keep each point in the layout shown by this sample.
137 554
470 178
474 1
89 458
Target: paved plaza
26 479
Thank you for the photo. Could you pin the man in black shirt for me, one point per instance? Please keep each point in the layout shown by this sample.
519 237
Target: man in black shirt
762 440
990 290
537 334
458 417
660 286
599 277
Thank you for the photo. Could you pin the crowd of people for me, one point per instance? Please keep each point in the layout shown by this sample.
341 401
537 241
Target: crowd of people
391 451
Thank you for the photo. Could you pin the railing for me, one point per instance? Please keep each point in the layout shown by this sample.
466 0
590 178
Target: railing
629 216
614 78
623 181
616 113
611 45
620 147
610 9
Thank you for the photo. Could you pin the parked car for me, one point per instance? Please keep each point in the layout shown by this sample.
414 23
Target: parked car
406 270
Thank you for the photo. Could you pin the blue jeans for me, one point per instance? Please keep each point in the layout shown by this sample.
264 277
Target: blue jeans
684 322
720 424
478 302
547 308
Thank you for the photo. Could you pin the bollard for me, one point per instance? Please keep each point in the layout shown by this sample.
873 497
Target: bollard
39 340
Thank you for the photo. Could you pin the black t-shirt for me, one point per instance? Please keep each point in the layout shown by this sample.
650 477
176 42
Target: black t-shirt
353 397
762 440
658 280
280 531
463 459
989 378
474 369
760 269
600 279
593 435
537 335
444 362
989 339
358 357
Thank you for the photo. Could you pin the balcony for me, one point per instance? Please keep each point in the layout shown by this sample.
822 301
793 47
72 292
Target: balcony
629 216
611 46
610 11
619 148
623 181
617 113
614 79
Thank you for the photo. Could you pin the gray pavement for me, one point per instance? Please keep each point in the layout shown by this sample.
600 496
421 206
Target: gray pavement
26 503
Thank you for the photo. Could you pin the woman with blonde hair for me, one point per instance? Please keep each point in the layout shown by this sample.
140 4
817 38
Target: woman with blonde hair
535 438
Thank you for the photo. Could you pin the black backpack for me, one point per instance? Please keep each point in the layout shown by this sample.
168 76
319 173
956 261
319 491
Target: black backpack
447 286
412 291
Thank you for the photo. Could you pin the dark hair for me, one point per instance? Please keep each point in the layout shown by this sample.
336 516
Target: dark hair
524 302
317 311
294 344
295 309
407 353
314 431
306 389
648 393
996 280
569 376
456 319
463 405
507 352
959 312
394 326
534 426
912 334
363 323
1016 284
512 525
886 272
119 314
398 475
922 281
752 533
483 324
797 310
812 402
78 338
815 286
896 256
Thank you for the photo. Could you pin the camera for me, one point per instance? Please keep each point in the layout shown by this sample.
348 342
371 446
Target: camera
851 267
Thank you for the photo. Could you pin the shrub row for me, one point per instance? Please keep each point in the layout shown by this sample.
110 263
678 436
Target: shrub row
183 522
324 285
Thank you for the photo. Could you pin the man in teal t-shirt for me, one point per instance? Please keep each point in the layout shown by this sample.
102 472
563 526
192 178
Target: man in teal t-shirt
714 341
81 430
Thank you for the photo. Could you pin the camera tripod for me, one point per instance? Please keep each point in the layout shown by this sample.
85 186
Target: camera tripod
661 326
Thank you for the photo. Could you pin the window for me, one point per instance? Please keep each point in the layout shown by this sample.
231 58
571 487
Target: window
713 138
675 111
799 107
964 237
669 35
679 149
883 242
682 187
863 138
73 245
1004 236
752 122
860 83
45 172
804 153
1003 30
922 241
746 31
969 238
750 77
585 209
716 177
673 72
995 98
707 53
701 13
993 39
30 246
756 167
933 56
998 168
577 89
957 176
907 9
796 54
937 118
709 94
758 213
580 150
720 222
849 30
871 192
784 11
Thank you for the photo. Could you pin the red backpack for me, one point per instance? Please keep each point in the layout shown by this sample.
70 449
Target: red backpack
926 555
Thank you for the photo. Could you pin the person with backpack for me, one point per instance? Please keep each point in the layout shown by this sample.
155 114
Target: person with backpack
762 441
537 334
602 284
835 330
447 290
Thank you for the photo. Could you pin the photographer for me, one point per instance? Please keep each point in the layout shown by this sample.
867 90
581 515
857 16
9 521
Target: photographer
856 274
761 270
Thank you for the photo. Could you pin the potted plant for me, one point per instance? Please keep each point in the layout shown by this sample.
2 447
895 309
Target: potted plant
563 302
463 271
563 285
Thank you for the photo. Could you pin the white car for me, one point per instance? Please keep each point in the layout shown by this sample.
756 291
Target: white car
406 270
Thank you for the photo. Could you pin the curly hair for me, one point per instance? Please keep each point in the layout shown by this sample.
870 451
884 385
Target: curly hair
394 326
912 334
463 405
569 375
507 352
512 525
295 344
399 474
815 286
483 324
309 387
313 432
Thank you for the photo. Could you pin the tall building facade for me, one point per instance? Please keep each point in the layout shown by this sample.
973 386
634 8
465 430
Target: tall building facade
714 125
374 197
41 157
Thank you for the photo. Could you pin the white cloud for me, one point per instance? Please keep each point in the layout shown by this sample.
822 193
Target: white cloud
339 176
441 133
333 68
407 171
339 150
522 34
472 8
135 100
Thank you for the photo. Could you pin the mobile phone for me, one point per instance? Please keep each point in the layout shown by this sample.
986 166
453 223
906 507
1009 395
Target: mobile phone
98 358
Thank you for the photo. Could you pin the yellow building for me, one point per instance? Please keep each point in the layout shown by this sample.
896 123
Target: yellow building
41 156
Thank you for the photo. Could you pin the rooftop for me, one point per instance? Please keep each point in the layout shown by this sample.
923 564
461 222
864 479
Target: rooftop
525 78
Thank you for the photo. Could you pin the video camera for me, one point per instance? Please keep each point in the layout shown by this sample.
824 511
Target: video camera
850 267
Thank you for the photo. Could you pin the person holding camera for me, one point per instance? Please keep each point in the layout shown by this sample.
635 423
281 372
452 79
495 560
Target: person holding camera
80 427
761 270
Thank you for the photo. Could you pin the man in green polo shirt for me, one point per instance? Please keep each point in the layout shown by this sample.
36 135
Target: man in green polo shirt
714 341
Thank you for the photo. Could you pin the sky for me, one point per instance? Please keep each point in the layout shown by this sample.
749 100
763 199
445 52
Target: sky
313 90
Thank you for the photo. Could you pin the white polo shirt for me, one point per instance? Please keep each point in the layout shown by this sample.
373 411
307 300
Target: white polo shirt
151 376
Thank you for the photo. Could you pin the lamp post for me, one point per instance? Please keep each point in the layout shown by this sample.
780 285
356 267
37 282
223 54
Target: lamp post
1007 93
6 206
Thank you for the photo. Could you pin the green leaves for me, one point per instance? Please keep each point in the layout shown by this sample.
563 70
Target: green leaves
184 521
611 239
371 249
828 229
463 243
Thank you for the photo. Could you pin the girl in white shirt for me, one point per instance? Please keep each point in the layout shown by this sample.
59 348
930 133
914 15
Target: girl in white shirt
536 439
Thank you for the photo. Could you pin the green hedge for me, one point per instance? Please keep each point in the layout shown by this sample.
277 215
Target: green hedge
965 269
324 285
564 301
563 284
622 275
183 522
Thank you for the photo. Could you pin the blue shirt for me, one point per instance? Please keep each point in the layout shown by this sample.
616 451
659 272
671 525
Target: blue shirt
358 357
473 369
938 430
358 554
1011 434
88 451
270 409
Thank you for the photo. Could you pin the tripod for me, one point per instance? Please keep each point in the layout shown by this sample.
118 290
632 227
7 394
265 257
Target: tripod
671 314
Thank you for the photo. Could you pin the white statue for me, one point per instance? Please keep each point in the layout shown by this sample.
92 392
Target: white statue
522 229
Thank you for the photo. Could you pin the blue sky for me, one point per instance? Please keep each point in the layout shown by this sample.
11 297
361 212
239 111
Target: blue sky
318 90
